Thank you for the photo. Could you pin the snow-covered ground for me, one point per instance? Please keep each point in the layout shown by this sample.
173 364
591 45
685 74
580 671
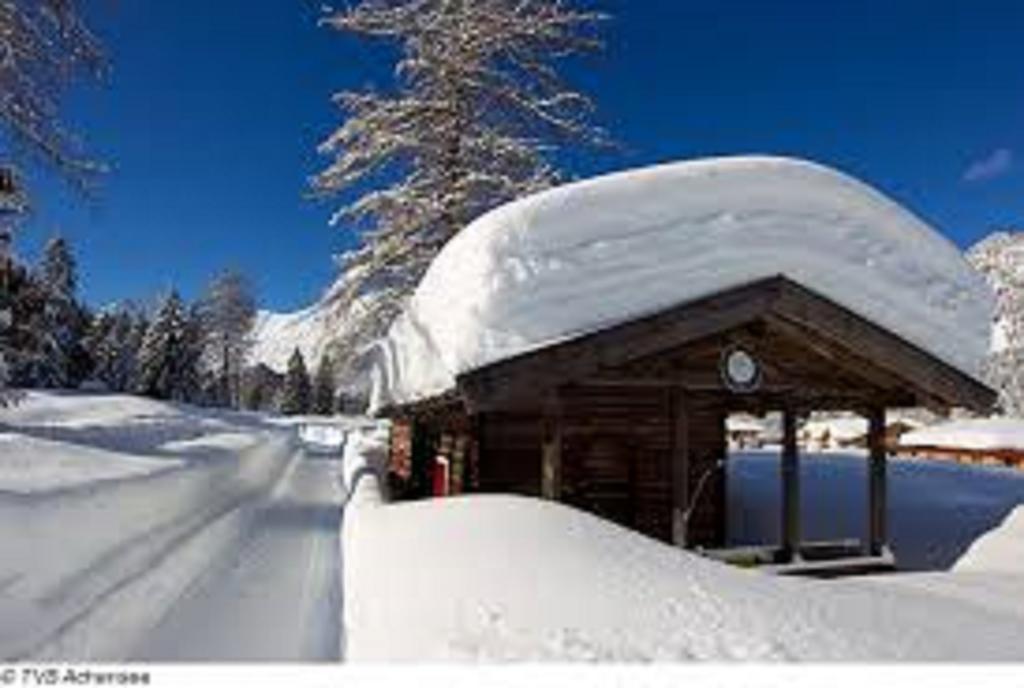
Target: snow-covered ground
511 578
229 551
138 529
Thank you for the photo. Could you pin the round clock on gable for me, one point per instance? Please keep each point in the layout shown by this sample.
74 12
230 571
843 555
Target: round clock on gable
740 370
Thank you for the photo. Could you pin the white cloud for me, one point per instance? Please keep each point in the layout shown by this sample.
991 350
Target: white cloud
995 164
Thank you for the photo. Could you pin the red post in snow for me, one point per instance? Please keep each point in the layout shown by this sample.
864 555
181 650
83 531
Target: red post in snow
441 476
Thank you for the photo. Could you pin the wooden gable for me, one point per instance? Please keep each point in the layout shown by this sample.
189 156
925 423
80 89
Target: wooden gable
814 354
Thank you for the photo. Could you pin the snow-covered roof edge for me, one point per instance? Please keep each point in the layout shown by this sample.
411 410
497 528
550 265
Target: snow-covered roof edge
596 253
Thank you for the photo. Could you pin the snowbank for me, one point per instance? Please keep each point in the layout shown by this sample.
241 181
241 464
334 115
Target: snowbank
59 440
511 578
1000 550
89 513
593 254
29 464
971 433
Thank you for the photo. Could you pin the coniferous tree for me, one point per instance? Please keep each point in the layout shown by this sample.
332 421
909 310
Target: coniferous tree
474 121
13 206
97 341
324 388
25 342
169 356
113 343
261 388
297 393
64 361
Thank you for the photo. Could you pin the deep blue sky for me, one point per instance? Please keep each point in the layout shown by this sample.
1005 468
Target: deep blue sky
212 112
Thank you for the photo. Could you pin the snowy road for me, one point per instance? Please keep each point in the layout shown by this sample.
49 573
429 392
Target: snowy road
276 594
231 556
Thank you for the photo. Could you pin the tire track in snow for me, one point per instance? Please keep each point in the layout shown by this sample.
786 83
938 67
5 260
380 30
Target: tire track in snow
60 621
276 595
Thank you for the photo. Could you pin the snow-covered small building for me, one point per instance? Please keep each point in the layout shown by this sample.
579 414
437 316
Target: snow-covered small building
744 431
997 441
587 344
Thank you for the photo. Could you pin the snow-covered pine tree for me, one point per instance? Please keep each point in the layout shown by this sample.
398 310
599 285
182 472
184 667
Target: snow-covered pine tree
24 341
297 396
261 388
227 310
12 207
169 356
324 388
113 342
64 320
46 45
98 341
476 117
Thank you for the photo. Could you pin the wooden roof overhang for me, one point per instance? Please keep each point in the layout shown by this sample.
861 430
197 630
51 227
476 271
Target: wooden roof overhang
815 354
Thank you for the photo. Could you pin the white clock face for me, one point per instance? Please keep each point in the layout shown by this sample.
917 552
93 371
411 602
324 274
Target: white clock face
742 368
741 371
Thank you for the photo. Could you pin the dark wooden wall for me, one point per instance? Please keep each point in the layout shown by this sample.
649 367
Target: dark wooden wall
616 458
616 450
509 453
706 445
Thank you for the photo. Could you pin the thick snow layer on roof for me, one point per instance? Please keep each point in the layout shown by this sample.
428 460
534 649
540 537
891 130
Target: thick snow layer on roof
596 253
970 433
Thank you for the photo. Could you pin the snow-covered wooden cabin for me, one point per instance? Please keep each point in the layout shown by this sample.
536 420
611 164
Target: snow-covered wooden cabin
586 344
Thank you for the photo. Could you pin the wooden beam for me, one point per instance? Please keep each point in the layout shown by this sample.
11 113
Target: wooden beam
551 449
936 382
790 487
504 383
680 466
877 482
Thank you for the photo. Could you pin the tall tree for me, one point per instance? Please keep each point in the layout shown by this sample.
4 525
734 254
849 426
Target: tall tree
45 46
476 116
228 310
324 388
997 257
64 320
297 394
168 365
113 342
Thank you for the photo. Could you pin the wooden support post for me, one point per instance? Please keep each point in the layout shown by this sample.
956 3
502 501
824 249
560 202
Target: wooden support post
551 451
680 468
790 487
476 424
877 479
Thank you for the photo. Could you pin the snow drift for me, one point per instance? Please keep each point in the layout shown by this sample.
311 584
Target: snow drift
487 578
1000 550
593 254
